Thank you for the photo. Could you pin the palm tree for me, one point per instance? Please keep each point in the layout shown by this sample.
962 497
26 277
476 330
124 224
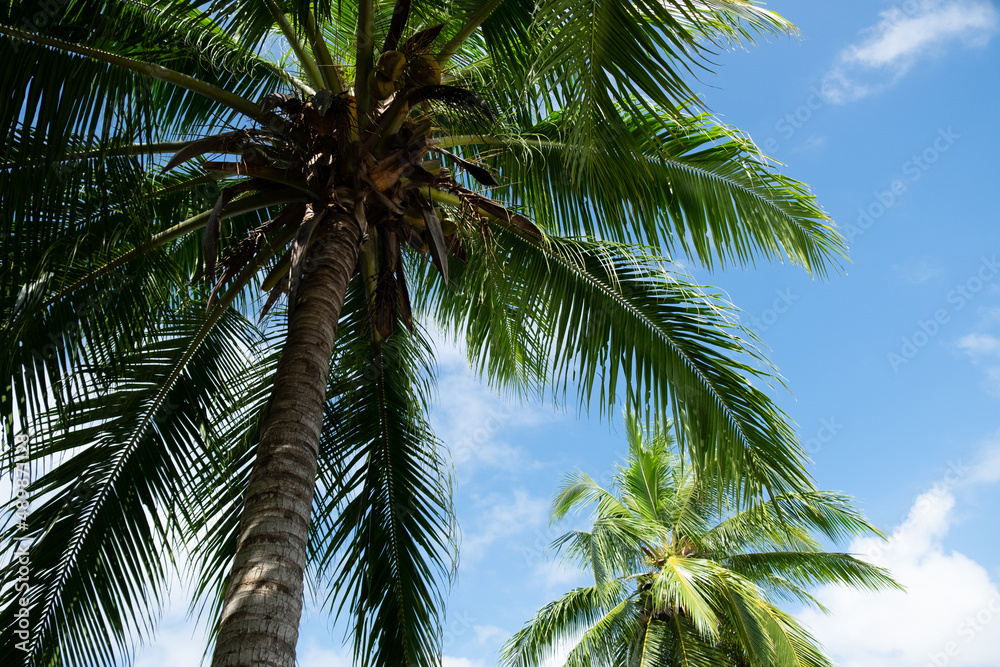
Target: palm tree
206 207
684 576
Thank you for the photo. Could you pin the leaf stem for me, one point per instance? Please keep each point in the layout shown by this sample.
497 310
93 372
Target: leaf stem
477 19
239 207
364 61
305 59
203 88
468 139
327 68
131 149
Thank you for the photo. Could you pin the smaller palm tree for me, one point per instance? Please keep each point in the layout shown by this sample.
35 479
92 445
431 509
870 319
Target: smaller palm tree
685 576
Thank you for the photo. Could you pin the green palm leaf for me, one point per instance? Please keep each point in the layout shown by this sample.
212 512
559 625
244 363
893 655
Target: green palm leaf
695 598
693 186
384 518
126 449
578 611
318 190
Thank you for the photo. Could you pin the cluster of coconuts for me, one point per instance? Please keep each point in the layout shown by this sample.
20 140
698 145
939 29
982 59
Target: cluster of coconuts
388 75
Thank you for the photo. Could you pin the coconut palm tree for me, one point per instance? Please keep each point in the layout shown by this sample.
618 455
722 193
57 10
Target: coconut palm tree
683 575
224 224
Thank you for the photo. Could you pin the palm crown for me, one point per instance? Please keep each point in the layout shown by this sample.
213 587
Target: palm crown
174 172
683 577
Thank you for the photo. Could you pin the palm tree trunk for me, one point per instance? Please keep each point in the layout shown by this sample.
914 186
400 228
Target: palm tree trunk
263 602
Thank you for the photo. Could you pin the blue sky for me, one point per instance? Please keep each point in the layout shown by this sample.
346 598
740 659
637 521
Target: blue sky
888 111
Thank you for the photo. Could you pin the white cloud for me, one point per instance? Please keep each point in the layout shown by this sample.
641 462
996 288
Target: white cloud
314 655
904 34
950 612
992 380
503 516
979 345
178 641
470 418
990 316
983 348
814 142
917 271
449 661
986 469
485 633
900 37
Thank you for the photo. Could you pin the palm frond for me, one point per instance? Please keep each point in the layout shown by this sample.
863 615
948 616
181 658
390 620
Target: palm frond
584 69
793 645
698 599
693 186
606 314
78 95
571 616
103 526
789 520
383 528
812 569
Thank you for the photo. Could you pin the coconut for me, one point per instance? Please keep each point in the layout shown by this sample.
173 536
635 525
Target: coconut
391 64
448 226
425 71
380 85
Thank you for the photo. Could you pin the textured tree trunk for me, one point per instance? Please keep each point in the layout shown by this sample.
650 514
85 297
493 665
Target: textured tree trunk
260 615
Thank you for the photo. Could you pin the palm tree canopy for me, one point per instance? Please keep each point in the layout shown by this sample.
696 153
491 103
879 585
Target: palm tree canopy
683 576
166 169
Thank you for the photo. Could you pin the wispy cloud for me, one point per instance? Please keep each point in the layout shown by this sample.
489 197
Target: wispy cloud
471 419
316 655
814 142
485 633
986 469
503 516
978 345
449 661
905 34
178 641
917 271
983 348
558 575
950 612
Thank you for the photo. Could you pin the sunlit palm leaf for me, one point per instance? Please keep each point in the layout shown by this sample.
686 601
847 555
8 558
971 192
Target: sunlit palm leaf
696 599
126 446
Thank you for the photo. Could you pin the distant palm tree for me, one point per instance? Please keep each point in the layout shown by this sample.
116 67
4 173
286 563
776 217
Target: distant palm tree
170 170
681 579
